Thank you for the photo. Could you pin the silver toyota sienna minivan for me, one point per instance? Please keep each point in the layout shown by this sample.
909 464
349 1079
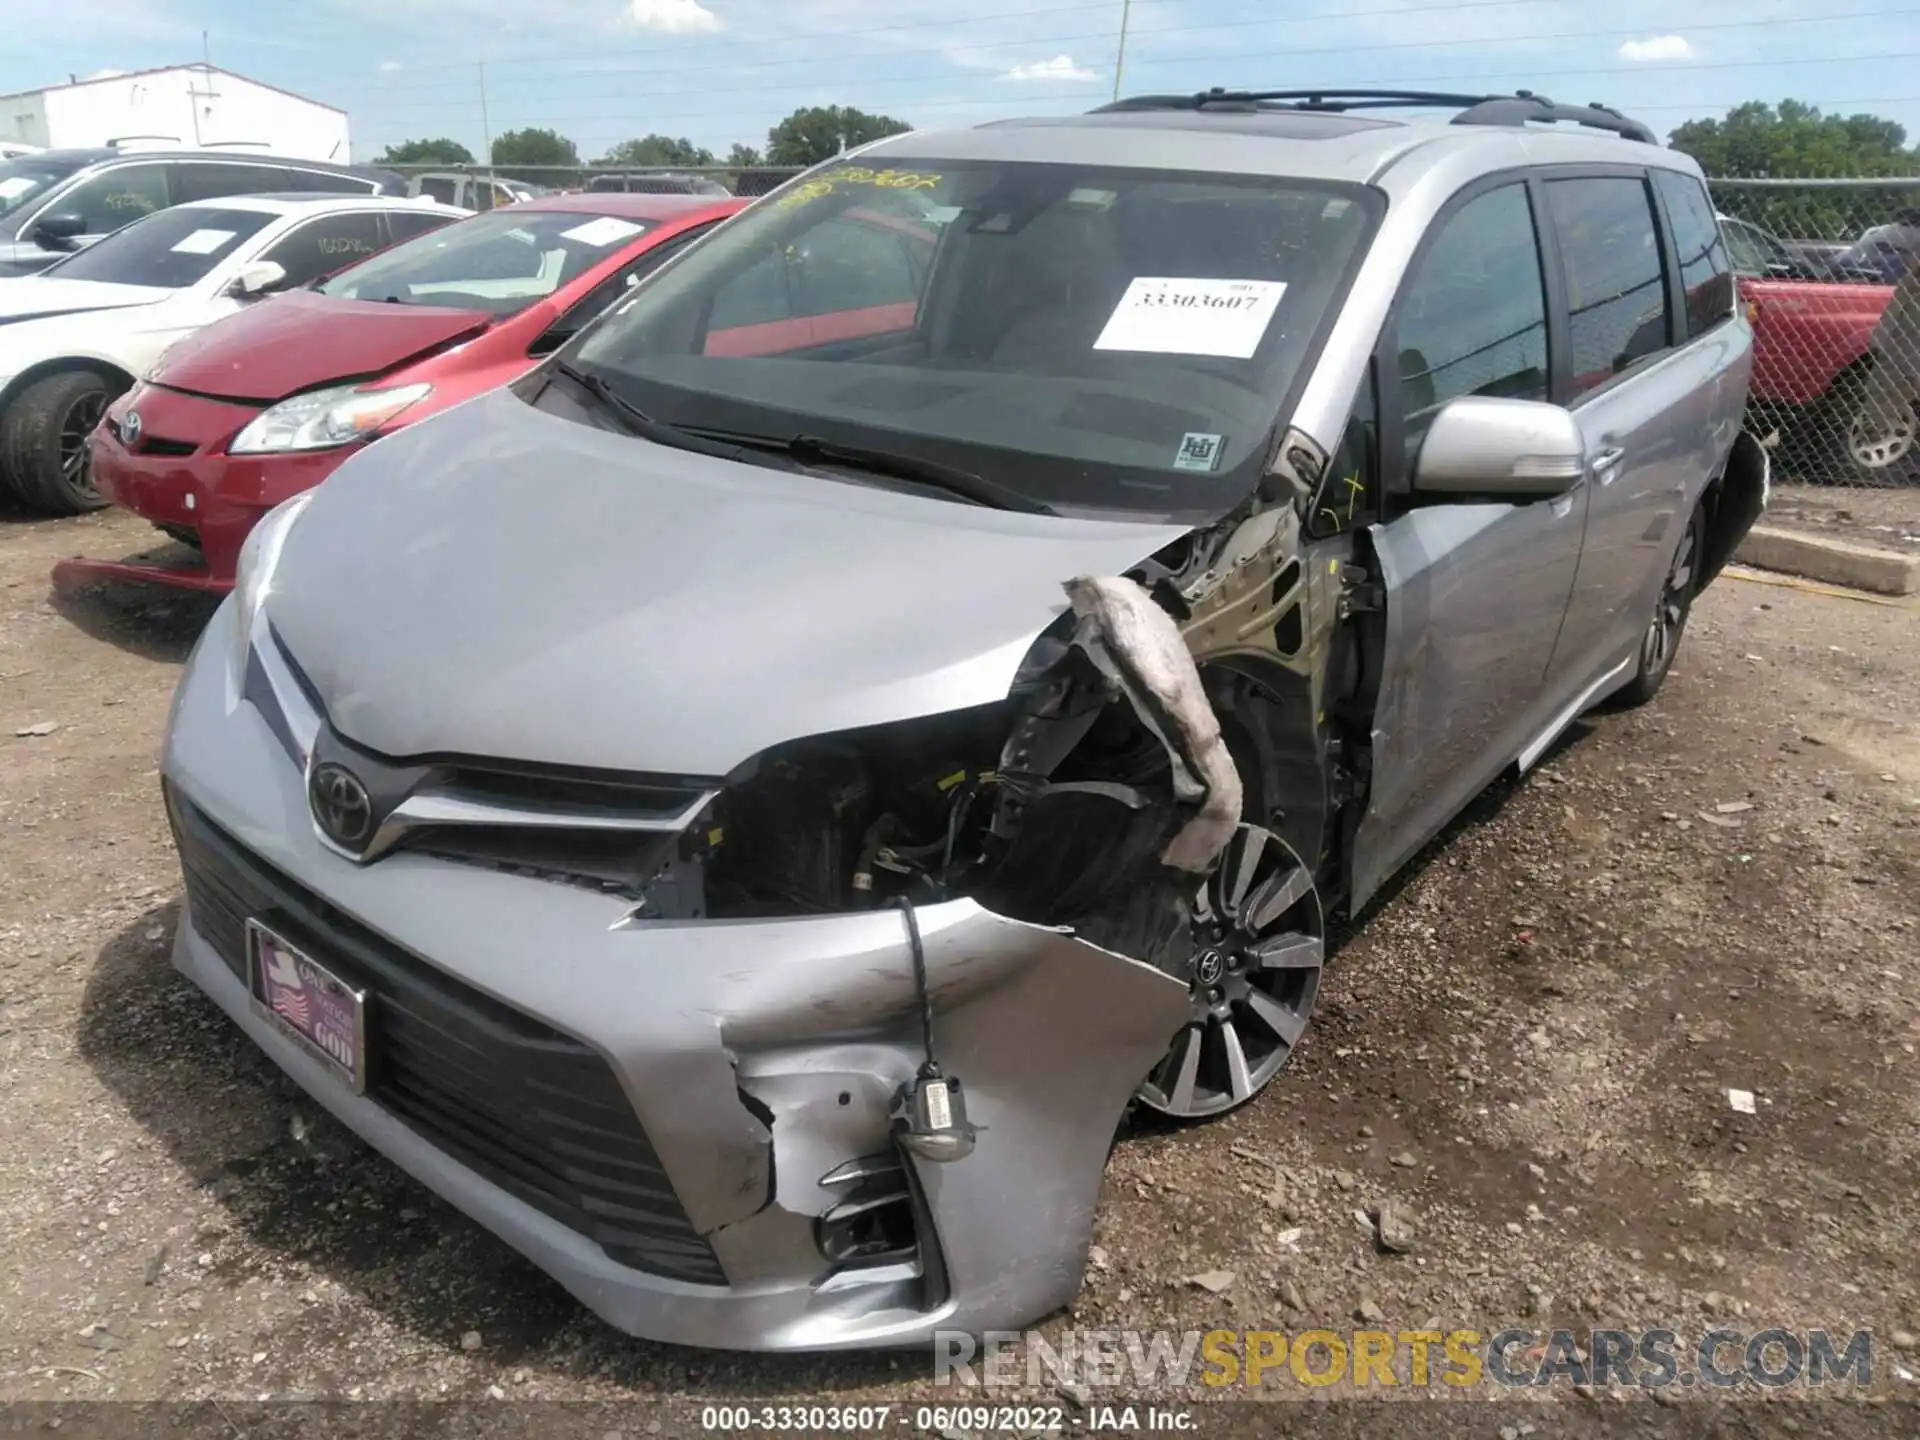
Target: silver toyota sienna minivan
745 811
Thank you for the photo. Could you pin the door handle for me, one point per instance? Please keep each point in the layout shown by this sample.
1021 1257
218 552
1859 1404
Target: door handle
1604 461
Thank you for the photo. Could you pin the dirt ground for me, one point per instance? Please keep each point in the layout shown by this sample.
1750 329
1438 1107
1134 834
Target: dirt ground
1527 1047
1886 519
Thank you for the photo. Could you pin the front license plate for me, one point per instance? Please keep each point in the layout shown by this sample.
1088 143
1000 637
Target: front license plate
308 1003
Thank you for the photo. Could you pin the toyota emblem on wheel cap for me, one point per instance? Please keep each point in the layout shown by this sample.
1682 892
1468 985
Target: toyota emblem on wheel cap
341 806
1210 967
130 428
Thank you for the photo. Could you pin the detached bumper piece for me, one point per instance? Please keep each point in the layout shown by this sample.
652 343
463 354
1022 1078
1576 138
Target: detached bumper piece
532 1110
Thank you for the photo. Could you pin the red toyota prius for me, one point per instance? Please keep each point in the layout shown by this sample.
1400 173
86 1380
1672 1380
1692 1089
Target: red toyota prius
264 404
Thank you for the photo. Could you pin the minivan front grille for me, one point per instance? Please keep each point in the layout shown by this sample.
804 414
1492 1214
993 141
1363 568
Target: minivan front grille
533 1110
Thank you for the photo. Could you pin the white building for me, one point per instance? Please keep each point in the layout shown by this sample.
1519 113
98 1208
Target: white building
184 107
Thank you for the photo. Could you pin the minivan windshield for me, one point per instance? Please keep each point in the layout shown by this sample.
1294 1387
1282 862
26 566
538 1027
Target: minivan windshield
499 262
25 178
167 249
1108 339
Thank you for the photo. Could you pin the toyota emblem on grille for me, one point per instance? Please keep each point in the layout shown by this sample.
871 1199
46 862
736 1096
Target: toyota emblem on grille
341 806
130 428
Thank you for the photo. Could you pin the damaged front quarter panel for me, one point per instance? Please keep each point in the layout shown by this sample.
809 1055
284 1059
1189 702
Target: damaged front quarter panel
1051 1034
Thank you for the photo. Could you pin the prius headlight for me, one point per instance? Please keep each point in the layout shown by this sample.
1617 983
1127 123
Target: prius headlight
325 419
253 579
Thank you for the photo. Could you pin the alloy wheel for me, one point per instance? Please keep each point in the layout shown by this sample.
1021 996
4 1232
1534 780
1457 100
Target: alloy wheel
1670 612
1259 945
75 426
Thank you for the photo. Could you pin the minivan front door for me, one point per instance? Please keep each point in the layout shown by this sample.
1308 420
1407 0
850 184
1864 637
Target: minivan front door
1475 594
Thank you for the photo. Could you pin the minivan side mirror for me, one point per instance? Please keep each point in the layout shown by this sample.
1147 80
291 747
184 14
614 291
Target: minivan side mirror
60 230
1480 447
258 279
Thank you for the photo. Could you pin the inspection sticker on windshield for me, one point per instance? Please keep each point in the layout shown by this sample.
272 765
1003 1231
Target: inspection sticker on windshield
602 231
203 242
1199 451
1168 316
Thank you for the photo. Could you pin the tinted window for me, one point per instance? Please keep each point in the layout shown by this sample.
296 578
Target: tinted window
211 179
1704 268
116 197
27 179
501 262
443 188
1616 291
1473 319
323 246
404 227
170 249
1746 248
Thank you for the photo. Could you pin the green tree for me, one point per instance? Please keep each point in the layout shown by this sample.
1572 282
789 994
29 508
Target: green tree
531 147
656 150
427 152
1794 141
744 157
819 132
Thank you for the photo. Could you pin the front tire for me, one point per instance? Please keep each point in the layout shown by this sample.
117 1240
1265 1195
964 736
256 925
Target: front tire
1258 948
43 441
1661 641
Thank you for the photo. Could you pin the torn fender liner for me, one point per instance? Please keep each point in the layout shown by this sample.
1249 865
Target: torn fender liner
1139 646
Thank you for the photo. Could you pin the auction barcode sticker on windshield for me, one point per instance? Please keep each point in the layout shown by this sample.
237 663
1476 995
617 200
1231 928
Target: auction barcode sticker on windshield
1168 316
203 242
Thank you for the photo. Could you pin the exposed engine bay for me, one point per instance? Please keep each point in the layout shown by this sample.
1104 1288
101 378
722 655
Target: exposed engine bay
1159 711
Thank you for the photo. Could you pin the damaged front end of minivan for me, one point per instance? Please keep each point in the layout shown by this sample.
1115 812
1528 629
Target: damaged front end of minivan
1111 884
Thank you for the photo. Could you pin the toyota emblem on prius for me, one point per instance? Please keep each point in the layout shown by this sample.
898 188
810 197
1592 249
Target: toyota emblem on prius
130 429
341 805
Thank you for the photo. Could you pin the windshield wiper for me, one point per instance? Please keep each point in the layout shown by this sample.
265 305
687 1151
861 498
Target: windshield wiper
931 473
637 422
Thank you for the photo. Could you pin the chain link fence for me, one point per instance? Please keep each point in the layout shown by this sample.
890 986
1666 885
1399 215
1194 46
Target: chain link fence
1828 280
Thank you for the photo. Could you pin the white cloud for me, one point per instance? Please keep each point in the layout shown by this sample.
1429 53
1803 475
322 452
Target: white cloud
387 66
1060 67
1658 47
673 17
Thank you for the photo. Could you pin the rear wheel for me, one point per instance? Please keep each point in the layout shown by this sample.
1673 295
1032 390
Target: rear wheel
43 441
1668 623
1258 947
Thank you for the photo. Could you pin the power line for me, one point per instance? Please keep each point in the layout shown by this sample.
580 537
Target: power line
1399 12
917 76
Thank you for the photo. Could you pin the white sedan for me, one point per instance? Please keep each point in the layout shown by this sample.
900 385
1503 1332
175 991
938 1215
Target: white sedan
83 330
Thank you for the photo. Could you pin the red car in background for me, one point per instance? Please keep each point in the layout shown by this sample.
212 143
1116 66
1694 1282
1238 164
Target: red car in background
1814 327
265 404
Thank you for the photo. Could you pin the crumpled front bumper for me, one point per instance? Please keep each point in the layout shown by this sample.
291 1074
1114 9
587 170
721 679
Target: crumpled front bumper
758 1056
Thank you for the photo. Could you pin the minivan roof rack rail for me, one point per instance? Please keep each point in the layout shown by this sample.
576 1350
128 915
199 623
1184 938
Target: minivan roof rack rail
1520 108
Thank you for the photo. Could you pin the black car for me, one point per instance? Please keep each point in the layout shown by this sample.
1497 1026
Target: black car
54 202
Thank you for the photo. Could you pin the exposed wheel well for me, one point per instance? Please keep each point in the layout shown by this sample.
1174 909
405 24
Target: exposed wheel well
1733 502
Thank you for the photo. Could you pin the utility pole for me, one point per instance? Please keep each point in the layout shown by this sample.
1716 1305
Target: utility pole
1120 60
486 131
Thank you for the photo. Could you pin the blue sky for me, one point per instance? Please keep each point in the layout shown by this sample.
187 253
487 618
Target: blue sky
724 70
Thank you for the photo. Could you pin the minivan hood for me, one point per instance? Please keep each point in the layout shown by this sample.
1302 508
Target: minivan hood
500 582
36 297
301 339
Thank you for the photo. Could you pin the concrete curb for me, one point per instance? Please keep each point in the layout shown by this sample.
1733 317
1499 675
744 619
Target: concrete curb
1836 562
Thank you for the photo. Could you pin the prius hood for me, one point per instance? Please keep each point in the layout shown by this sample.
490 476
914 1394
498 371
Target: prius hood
302 340
37 297
502 582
